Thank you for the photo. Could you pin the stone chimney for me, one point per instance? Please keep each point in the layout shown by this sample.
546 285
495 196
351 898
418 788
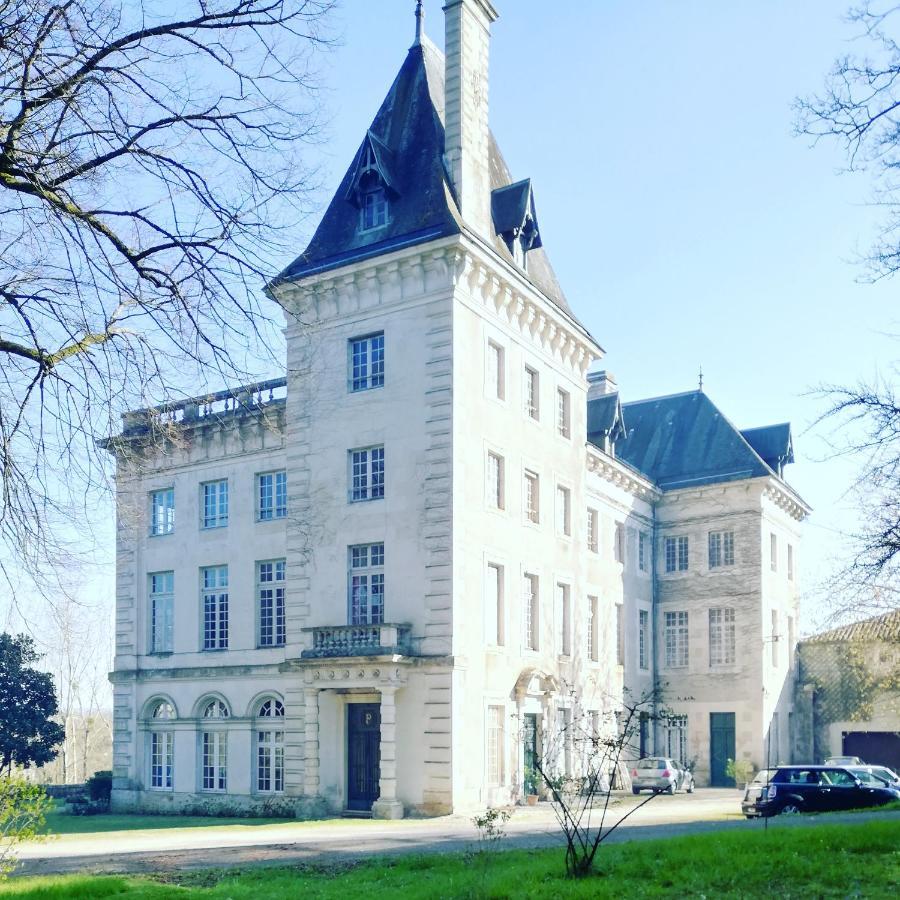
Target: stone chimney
467 36
601 383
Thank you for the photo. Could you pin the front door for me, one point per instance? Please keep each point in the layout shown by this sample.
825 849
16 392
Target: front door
721 748
363 754
529 740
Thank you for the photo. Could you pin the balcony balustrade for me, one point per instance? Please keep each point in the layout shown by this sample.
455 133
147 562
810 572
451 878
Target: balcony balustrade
358 640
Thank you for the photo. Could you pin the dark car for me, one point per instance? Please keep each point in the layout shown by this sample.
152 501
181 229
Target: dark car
796 789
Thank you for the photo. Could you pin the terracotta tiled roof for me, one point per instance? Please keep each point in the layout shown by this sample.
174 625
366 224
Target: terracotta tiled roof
885 627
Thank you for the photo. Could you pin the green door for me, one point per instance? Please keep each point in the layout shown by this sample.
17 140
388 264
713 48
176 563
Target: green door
721 748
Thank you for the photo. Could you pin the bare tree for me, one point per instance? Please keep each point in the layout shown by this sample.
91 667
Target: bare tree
149 161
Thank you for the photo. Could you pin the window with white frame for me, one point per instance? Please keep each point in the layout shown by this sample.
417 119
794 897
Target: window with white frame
676 553
366 585
722 646
495 376
162 511
530 611
162 748
367 362
643 639
592 625
790 562
214 749
162 611
563 619
531 501
721 549
563 413
532 393
773 551
792 641
270 581
495 746
676 634
619 543
270 747
367 474
676 738
593 530
271 494
643 551
494 481
215 503
214 602
563 510
493 605
374 209
776 637
564 737
620 634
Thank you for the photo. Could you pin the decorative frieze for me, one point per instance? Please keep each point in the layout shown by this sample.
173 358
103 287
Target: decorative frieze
784 498
616 473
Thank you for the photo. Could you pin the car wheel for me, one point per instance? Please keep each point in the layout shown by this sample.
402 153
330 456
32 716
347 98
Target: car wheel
789 809
672 788
690 787
635 790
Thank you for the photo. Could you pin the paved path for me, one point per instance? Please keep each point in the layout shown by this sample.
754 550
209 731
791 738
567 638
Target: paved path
341 840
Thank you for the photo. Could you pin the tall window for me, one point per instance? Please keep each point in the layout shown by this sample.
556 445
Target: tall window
495 741
563 620
721 637
676 639
162 749
792 641
367 362
215 607
374 212
790 562
367 584
532 393
493 605
676 554
215 503
270 747
271 492
643 638
773 551
367 474
643 551
162 511
530 611
494 477
592 526
721 549
563 413
162 613
563 510
591 628
620 634
619 543
270 577
214 749
776 637
532 497
496 371
676 738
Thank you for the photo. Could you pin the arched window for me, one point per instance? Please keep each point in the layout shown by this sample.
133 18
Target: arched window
162 747
214 750
163 710
270 748
215 709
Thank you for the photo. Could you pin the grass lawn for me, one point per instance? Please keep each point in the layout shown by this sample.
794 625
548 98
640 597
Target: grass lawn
800 862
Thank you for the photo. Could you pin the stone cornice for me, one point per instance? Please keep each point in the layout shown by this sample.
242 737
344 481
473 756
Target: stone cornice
784 497
620 475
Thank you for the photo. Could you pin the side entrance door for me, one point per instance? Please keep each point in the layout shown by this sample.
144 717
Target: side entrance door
721 748
529 740
363 754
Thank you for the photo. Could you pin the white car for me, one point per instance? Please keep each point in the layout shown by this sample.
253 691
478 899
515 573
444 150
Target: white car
659 773
844 761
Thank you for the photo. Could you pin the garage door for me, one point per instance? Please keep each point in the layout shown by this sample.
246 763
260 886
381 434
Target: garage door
877 748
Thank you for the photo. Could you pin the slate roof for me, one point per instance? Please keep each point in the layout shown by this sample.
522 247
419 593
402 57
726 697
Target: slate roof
409 127
885 627
773 443
604 417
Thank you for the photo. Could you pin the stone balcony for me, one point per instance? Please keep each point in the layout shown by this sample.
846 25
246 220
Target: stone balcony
333 641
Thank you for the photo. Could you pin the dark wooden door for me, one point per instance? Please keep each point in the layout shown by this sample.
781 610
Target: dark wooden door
363 754
529 740
721 748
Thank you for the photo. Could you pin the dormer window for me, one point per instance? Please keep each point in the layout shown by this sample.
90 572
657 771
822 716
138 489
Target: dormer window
512 209
371 185
375 209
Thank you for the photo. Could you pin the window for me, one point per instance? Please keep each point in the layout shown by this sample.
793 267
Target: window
563 510
272 494
493 606
593 542
530 614
215 504
790 562
162 511
620 634
532 394
776 637
162 601
495 741
270 577
374 212
367 362
721 549
532 498
214 750
643 734
495 376
591 626
676 738
494 484
563 620
367 474
215 607
642 551
619 543
676 639
792 641
367 584
162 749
676 554
643 634
563 413
270 748
721 637
773 551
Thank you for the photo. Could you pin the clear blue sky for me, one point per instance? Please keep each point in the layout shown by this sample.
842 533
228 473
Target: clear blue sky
685 221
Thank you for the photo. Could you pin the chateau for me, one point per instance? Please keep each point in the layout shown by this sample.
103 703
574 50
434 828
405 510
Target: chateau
381 582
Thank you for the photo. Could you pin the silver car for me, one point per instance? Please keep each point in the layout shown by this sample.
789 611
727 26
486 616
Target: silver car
659 773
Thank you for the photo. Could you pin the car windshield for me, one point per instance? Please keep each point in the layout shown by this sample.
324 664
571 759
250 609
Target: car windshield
869 777
883 772
652 764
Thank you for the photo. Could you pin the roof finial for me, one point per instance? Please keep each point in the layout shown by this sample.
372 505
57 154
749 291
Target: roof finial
420 22
701 378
